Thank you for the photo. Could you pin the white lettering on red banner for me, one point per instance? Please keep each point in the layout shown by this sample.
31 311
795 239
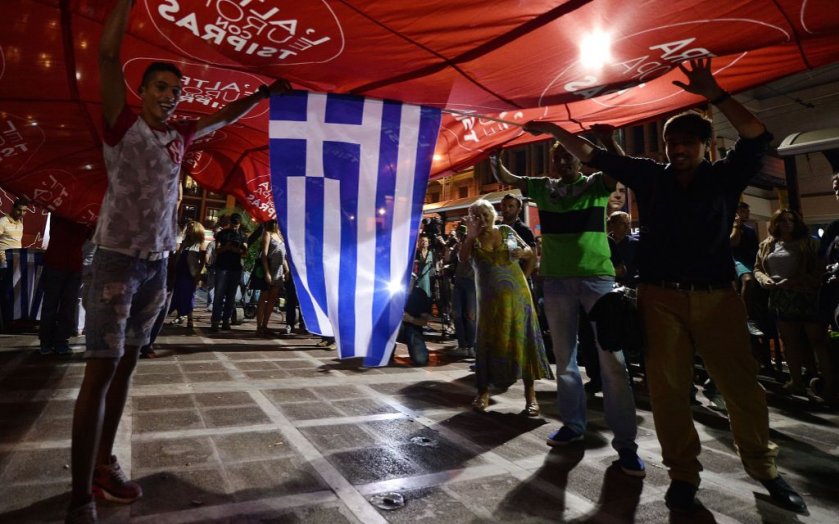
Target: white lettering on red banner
662 58
250 30
20 139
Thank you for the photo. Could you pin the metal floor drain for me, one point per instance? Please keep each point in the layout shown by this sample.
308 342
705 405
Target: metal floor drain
424 441
388 501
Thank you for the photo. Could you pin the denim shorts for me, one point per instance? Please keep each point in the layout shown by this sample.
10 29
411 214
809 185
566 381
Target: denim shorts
123 296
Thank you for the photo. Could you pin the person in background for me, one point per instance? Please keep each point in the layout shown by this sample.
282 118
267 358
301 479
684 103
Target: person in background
509 345
511 207
415 317
744 244
61 280
789 267
464 304
276 272
11 228
222 223
190 261
617 199
424 262
619 230
11 234
230 247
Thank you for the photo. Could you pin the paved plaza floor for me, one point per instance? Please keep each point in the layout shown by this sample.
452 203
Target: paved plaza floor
235 428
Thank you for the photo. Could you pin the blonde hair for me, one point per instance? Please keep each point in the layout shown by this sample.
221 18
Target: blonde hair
483 207
194 233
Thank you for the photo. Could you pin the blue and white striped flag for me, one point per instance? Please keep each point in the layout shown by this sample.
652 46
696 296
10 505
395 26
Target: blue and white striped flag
23 292
349 176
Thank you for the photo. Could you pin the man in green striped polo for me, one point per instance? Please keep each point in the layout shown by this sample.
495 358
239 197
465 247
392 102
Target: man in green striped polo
576 270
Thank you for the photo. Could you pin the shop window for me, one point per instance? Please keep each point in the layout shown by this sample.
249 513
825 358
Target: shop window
212 214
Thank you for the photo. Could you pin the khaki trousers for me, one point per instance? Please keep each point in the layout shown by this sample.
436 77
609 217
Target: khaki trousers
678 324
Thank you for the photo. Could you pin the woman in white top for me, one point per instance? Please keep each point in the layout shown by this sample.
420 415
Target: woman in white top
788 266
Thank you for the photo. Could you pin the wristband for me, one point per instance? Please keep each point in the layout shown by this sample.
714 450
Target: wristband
722 98
265 92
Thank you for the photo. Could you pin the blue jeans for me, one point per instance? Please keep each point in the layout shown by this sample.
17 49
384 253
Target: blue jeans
211 286
227 283
464 311
412 337
563 298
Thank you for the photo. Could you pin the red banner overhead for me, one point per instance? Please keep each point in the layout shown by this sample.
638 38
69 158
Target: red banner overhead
577 63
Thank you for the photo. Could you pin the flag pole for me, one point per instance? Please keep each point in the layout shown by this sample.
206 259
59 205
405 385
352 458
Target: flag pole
483 117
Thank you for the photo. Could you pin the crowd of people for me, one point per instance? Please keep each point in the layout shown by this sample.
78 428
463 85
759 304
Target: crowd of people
706 296
510 296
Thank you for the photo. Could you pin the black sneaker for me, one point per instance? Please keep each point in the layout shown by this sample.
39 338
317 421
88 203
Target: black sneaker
63 349
784 495
564 436
214 328
225 326
631 464
681 498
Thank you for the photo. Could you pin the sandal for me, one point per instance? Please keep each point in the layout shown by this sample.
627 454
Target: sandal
531 409
480 403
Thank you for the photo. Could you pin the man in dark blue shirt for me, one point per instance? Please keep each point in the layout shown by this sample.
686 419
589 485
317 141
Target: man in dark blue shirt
231 245
685 296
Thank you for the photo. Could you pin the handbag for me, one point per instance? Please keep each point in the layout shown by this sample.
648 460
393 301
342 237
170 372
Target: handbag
618 324
193 259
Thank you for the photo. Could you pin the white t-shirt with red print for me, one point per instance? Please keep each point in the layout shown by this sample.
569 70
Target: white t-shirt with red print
139 210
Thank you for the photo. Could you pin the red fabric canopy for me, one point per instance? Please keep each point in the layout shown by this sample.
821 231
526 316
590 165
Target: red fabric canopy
515 61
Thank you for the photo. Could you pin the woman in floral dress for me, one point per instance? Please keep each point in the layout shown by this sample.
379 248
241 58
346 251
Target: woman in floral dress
509 343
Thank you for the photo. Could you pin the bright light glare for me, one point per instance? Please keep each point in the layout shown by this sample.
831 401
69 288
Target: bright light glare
382 211
395 287
437 158
596 49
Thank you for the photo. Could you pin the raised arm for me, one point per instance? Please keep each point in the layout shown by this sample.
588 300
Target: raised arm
504 176
473 229
701 82
112 84
576 145
236 110
605 135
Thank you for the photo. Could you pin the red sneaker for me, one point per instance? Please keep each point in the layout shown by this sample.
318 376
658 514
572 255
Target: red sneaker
111 484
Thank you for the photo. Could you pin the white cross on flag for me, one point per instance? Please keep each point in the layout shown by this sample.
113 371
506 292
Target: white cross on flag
349 176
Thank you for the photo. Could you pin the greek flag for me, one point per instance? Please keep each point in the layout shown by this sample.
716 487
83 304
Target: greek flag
349 176
22 295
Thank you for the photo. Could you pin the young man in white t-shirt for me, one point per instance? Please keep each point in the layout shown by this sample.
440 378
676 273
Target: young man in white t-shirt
135 233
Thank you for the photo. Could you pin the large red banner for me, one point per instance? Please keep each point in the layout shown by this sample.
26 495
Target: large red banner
575 63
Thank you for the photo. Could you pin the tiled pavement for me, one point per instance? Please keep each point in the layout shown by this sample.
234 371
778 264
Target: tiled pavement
235 428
